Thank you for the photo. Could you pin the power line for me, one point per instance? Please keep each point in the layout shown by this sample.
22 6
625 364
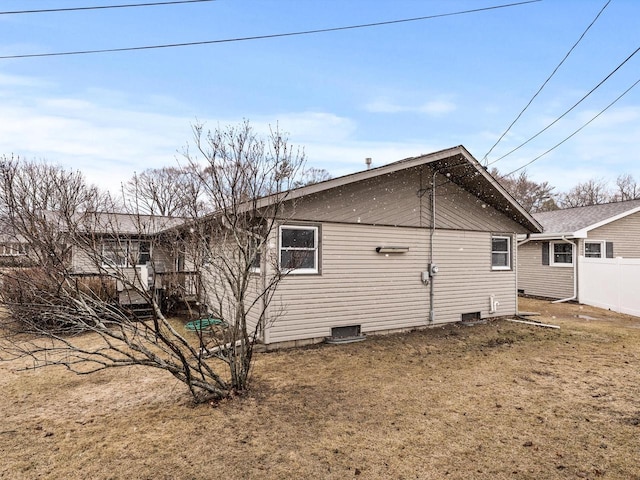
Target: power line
575 132
103 7
262 37
545 82
569 110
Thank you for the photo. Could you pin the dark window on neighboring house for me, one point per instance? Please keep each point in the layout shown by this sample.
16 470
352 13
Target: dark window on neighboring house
257 256
144 253
125 253
114 254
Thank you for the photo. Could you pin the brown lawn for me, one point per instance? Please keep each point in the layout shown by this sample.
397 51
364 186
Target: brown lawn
494 401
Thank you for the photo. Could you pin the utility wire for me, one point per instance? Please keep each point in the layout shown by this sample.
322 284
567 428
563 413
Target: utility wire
575 132
545 82
103 7
569 110
262 37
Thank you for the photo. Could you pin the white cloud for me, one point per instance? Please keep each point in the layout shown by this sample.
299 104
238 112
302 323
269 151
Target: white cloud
20 81
309 126
437 107
434 108
107 144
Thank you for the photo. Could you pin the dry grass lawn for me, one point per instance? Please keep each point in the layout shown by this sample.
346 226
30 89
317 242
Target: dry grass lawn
494 401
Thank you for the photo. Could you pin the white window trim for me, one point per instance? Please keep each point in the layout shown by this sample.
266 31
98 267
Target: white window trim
552 261
501 267
300 271
13 249
127 247
603 248
116 244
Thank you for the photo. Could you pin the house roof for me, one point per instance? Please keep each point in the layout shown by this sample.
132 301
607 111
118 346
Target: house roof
577 221
118 223
455 164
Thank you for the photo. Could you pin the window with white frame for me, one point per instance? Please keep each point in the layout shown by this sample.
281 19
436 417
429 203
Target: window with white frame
561 254
594 249
500 252
13 249
125 253
114 253
299 249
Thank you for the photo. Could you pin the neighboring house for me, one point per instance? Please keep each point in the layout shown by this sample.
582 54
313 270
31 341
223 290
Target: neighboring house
131 246
384 251
13 251
549 263
110 251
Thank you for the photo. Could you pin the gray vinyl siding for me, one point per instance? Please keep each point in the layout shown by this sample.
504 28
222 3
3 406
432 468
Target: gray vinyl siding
542 280
624 233
402 198
253 315
357 286
219 298
465 281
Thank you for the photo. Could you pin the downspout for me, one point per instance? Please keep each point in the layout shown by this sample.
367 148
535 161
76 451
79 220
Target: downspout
433 229
526 240
575 272
518 245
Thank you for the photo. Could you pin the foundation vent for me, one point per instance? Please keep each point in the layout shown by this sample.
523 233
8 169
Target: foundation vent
348 334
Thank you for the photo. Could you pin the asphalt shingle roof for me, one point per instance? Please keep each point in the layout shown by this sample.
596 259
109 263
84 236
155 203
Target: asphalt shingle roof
571 220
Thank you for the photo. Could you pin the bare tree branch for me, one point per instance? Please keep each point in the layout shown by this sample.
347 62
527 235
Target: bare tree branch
88 267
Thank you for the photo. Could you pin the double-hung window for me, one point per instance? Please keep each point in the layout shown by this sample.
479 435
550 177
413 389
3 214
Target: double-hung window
114 254
125 253
299 249
598 249
593 250
561 254
13 249
500 252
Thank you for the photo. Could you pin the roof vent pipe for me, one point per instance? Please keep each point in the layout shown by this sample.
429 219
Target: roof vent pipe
368 162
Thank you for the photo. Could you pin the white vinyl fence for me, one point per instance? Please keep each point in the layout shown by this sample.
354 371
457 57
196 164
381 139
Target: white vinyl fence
611 283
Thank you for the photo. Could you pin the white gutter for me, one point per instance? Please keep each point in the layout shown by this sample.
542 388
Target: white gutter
526 240
431 242
556 235
575 272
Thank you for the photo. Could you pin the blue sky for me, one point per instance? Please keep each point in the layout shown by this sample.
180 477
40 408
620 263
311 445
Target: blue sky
386 92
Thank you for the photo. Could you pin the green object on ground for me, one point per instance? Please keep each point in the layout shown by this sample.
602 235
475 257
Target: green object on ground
204 323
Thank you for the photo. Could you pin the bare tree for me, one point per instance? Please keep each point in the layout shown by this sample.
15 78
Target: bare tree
591 192
166 191
247 180
628 188
99 266
312 175
533 196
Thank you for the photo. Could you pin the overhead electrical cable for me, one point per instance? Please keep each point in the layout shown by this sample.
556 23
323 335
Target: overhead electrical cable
262 37
103 7
569 110
575 132
545 82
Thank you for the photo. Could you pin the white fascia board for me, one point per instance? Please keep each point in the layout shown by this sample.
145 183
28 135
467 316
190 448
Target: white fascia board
583 232
555 236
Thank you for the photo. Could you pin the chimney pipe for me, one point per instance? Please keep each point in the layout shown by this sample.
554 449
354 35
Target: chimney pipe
368 162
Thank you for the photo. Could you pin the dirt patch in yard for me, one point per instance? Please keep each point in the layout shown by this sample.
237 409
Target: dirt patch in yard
495 401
